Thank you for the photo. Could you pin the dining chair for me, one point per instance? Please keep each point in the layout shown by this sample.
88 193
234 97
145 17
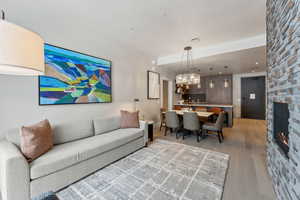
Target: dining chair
172 122
201 109
185 109
191 123
162 118
216 112
175 107
216 127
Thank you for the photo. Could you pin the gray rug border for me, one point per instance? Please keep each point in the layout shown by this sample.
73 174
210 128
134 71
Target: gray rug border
145 147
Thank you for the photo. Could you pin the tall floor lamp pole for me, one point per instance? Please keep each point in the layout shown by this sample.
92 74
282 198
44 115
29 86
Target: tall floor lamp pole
135 104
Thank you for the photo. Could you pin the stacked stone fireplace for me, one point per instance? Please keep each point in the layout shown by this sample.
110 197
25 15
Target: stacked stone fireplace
283 111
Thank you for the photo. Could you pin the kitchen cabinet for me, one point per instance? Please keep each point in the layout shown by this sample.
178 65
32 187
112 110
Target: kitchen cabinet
219 94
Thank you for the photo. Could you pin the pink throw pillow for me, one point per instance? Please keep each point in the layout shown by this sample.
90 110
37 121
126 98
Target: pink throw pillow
130 119
36 140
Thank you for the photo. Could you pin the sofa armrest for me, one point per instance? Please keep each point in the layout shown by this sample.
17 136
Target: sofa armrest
14 173
144 126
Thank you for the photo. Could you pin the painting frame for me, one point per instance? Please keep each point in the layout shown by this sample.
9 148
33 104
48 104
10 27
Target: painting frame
81 103
157 76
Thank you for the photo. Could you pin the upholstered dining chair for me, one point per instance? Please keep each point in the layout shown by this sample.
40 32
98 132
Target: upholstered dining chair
185 108
176 107
191 122
216 112
201 109
216 127
172 122
162 118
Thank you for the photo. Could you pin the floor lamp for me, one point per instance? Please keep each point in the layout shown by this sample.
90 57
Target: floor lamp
135 104
21 50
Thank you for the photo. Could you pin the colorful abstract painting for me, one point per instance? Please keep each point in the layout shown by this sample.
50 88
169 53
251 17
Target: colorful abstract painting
74 78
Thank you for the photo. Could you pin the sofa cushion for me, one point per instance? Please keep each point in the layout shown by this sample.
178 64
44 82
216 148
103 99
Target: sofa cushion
70 131
68 154
62 132
104 125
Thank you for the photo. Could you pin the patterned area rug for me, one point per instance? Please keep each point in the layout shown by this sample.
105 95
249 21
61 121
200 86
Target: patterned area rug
164 170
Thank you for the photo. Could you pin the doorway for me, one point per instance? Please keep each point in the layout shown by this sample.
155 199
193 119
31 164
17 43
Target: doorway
253 105
165 91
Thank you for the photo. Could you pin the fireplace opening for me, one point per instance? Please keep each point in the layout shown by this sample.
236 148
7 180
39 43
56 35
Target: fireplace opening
281 126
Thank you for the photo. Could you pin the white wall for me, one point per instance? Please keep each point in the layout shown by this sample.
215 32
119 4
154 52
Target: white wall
19 95
237 90
149 109
171 92
169 76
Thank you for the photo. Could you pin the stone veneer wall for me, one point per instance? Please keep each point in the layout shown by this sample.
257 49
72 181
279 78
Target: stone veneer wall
283 60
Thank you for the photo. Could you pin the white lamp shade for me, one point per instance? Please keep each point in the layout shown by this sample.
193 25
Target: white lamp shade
21 51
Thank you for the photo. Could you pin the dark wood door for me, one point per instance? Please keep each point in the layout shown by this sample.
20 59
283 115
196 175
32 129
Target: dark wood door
253 97
165 94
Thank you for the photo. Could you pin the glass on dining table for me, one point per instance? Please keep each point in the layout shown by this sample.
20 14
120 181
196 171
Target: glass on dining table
185 109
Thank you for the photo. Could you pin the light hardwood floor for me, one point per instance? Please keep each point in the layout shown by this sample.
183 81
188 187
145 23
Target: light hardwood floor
247 177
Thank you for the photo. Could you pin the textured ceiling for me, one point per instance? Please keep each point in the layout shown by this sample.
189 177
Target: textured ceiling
154 28
243 61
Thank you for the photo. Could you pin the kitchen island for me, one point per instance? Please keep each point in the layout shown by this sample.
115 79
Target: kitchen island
227 108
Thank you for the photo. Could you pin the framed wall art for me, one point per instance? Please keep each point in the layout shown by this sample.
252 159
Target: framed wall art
153 79
74 78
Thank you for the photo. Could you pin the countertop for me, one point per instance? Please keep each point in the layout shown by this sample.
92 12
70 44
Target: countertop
206 105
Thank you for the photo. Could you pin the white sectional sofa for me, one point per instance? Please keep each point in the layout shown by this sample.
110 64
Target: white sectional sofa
80 148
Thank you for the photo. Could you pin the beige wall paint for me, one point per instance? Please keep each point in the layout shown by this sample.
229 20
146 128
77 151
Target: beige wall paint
19 94
169 76
149 108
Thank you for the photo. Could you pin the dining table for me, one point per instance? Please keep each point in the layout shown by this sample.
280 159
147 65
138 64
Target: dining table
203 116
200 114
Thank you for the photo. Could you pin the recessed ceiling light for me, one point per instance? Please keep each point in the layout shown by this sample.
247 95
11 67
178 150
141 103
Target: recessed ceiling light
195 39
256 63
220 72
163 11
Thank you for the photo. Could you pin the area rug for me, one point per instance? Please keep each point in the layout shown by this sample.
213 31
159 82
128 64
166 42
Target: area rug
163 171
